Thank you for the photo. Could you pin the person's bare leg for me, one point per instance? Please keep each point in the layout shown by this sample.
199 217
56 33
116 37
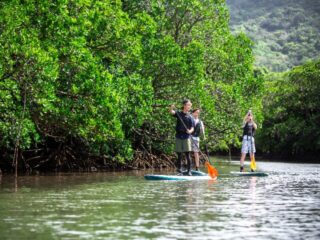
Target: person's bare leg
188 163
179 162
196 159
243 156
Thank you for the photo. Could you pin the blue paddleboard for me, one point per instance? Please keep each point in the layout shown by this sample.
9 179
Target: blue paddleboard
196 175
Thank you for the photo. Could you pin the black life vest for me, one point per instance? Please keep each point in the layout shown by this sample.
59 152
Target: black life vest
197 129
248 130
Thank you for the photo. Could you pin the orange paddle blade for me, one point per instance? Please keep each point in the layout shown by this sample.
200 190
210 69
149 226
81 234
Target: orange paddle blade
211 170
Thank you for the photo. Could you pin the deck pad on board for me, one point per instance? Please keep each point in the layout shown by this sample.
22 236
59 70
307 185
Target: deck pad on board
196 175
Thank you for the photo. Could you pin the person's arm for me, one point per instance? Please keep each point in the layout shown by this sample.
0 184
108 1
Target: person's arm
189 131
202 129
171 111
254 125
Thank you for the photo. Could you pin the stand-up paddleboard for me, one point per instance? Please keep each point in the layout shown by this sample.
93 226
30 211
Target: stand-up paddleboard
256 174
196 175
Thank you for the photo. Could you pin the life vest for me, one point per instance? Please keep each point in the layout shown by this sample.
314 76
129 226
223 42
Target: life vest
248 130
197 129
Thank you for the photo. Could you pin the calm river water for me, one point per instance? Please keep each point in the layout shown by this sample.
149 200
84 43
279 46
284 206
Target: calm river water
283 205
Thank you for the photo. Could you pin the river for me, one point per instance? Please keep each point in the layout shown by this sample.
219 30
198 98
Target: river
122 205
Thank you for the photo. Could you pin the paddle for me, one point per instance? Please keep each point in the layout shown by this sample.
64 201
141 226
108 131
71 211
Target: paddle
213 173
253 165
211 170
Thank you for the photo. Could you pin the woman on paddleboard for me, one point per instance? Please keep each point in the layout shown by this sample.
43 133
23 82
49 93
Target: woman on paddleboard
198 130
184 128
248 146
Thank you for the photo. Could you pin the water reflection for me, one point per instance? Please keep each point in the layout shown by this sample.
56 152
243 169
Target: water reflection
122 205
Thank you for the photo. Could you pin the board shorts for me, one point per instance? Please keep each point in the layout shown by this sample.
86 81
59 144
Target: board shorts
195 145
247 147
183 145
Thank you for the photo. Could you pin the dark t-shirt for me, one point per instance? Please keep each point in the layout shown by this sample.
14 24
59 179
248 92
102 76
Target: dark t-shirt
181 131
248 130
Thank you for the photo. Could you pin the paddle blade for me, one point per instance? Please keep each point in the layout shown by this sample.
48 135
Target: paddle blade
253 165
211 170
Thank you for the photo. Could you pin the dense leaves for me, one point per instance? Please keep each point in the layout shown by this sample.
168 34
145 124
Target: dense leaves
88 79
196 56
292 113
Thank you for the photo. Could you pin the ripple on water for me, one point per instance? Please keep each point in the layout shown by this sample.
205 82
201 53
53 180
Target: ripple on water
284 205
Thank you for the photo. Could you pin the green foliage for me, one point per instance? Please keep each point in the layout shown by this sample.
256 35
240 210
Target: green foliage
292 114
286 33
77 63
195 56
104 72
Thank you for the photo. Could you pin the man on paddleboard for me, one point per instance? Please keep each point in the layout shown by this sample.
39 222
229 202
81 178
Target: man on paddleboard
184 128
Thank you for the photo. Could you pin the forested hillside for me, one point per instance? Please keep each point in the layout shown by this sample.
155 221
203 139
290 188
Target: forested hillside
286 32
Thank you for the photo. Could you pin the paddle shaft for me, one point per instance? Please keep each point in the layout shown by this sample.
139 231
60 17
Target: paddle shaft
251 139
251 144
252 164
